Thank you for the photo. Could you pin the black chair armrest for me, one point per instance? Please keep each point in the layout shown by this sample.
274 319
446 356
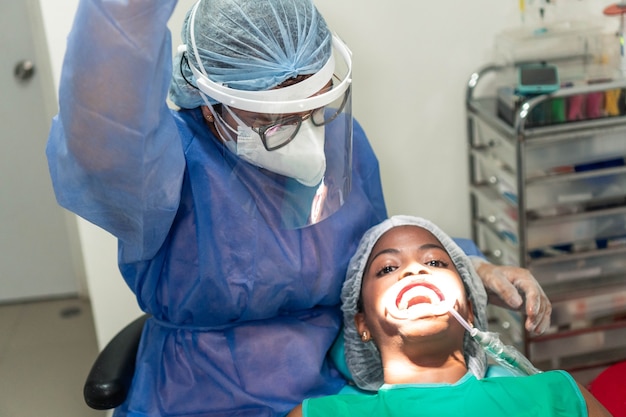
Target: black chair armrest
111 374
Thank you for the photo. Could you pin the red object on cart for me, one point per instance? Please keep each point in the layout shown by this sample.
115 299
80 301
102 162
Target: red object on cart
615 9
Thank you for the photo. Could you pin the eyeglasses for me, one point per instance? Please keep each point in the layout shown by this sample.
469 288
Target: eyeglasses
278 134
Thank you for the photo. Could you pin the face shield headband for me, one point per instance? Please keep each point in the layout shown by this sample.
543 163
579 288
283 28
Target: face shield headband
296 98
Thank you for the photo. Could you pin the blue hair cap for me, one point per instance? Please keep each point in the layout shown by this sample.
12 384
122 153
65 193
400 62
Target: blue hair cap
250 45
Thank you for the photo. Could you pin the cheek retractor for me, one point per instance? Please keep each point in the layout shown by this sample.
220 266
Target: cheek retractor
505 355
414 298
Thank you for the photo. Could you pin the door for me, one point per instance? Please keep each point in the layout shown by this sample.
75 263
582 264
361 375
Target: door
38 239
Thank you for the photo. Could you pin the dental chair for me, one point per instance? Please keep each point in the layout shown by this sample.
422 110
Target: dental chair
111 374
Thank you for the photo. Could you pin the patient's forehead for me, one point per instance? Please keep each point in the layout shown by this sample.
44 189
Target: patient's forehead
405 235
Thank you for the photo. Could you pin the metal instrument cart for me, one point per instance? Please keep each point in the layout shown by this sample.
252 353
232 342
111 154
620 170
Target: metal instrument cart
549 194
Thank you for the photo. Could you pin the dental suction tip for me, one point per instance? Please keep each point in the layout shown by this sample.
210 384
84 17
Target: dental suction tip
461 320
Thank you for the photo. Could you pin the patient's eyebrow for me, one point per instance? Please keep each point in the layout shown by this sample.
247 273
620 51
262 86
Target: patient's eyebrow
382 252
395 251
432 246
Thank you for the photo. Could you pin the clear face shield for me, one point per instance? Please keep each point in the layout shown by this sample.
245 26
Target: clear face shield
300 136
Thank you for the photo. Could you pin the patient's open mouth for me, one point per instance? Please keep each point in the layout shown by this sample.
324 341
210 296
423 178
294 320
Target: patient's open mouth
418 293
413 298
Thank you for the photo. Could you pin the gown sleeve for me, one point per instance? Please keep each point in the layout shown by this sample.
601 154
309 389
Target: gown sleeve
469 247
114 150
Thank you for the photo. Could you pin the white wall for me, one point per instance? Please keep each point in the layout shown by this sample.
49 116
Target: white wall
412 59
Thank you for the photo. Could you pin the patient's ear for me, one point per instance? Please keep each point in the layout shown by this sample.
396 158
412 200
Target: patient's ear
361 327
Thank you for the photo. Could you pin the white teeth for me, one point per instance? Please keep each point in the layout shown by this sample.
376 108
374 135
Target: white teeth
418 291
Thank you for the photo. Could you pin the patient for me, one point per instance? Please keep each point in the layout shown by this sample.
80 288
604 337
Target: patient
401 341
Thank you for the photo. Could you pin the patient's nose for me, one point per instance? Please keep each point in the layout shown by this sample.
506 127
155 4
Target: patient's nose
414 269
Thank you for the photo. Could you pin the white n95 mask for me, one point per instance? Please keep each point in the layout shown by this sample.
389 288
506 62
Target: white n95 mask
302 159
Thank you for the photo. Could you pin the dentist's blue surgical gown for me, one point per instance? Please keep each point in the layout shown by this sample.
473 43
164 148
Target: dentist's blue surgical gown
244 311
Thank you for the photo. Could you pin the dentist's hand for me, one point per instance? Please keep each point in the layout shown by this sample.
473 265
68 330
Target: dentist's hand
506 285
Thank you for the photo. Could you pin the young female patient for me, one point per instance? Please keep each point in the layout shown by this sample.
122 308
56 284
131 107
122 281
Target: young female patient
401 340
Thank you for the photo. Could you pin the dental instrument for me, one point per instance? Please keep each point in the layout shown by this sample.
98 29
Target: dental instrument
505 355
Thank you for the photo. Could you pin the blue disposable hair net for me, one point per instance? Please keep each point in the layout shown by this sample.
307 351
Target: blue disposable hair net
250 45
363 359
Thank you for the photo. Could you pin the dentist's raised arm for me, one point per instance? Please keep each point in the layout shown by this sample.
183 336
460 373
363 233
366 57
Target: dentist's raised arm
114 152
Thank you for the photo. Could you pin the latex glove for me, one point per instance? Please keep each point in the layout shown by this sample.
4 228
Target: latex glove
505 287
